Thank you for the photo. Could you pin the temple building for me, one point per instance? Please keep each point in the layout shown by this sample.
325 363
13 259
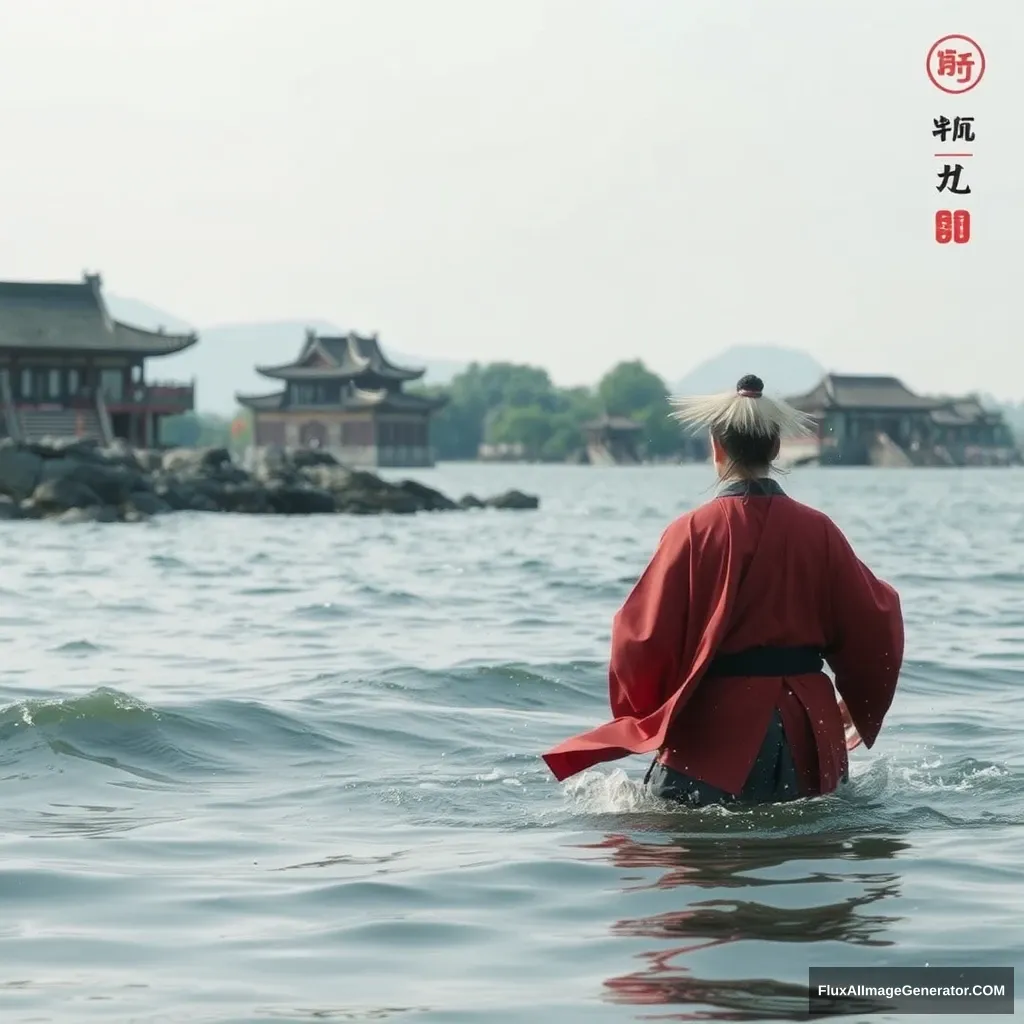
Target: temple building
875 420
69 369
612 441
342 394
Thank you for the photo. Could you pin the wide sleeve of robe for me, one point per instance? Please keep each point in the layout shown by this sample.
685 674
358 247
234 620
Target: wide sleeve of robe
648 632
662 637
866 653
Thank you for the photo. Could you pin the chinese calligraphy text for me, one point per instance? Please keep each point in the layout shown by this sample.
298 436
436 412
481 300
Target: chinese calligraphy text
955 64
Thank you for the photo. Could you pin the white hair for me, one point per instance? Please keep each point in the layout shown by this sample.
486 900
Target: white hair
743 411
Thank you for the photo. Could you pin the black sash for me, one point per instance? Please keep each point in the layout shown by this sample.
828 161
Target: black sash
767 661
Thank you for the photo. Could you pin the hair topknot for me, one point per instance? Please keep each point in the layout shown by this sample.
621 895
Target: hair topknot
736 413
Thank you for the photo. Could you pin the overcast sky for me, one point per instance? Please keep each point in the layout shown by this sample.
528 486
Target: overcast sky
564 182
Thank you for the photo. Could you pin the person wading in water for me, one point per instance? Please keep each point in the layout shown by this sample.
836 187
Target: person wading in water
717 653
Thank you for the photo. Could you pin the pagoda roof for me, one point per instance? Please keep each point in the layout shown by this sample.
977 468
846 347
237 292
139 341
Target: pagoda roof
359 399
868 392
261 403
346 356
394 401
60 316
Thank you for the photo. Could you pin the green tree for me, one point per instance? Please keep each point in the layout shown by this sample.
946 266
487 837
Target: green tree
526 425
514 404
202 430
474 398
630 389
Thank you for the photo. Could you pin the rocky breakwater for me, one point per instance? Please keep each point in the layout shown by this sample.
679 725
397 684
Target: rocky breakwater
78 481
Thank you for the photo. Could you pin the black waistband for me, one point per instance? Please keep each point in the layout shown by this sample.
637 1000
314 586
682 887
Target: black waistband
767 661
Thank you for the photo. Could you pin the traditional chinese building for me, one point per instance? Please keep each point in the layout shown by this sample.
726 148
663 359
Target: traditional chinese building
343 394
69 369
972 434
869 420
612 440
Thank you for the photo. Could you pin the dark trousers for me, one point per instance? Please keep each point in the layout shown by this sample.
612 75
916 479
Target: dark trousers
772 779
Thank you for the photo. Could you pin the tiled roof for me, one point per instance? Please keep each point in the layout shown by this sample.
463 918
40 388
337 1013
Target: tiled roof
395 401
57 315
964 411
350 356
382 400
261 403
848 391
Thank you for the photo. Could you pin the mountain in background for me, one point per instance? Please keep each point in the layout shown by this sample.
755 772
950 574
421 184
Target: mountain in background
785 371
223 360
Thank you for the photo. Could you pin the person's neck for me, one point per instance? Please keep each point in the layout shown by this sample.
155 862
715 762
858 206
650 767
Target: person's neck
744 476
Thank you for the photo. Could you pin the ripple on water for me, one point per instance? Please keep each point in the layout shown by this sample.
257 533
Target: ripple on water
252 770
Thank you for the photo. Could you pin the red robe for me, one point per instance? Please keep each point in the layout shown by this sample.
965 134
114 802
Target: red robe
746 570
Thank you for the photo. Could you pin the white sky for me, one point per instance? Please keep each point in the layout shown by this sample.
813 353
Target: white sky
564 182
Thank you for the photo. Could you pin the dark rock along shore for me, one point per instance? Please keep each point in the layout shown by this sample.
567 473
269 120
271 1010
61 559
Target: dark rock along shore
78 481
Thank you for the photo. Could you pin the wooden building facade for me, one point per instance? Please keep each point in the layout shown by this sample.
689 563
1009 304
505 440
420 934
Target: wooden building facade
342 394
861 418
613 441
68 369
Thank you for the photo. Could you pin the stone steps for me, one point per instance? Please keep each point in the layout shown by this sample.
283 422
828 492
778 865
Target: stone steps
80 423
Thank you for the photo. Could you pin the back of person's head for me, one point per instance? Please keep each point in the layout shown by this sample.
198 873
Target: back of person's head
746 426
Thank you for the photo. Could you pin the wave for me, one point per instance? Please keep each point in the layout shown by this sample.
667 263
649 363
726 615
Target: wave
165 745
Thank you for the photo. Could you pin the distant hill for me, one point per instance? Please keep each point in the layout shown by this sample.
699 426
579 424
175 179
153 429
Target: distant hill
131 311
223 360
785 371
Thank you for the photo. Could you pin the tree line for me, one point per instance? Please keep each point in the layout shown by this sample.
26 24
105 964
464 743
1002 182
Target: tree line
518 405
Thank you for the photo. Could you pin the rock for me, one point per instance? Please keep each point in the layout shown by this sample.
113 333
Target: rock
9 508
147 503
249 497
66 448
58 495
275 463
328 478
300 501
56 478
20 470
301 458
92 514
361 480
429 499
267 463
470 501
113 483
148 460
194 461
513 500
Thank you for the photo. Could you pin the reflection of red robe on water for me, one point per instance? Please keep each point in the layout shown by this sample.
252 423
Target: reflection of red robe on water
752 568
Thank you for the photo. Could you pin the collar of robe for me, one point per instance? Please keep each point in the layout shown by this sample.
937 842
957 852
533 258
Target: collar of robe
764 486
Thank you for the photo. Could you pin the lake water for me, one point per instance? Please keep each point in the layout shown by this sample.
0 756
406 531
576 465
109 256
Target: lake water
268 770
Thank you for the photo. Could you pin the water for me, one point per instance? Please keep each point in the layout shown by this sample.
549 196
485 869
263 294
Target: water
286 770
